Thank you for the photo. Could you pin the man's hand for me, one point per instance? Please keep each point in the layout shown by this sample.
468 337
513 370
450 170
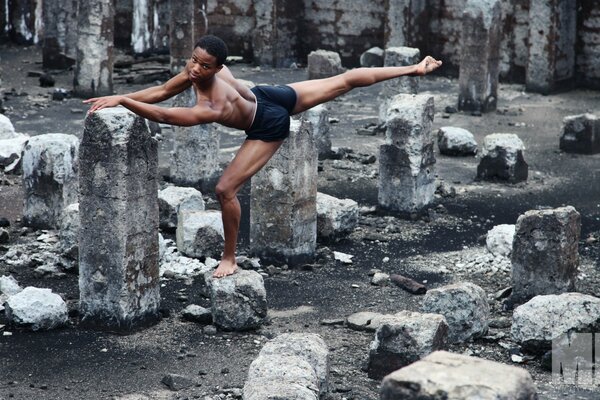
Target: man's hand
98 103
427 65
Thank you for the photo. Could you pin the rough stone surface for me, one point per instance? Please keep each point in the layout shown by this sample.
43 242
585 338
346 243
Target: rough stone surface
581 134
69 231
177 382
444 375
480 56
308 346
283 201
502 158
200 233
181 33
318 118
118 203
291 369
405 338
7 130
239 301
404 23
372 57
172 199
323 64
398 57
365 321
406 162
545 318
499 240
36 309
465 307
545 254
50 165
335 216
11 151
269 389
196 313
453 141
9 285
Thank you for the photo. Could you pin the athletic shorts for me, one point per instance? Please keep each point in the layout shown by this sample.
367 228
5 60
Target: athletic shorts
274 107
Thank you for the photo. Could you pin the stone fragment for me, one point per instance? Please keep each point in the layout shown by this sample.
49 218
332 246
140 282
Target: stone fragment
318 118
551 41
343 257
545 318
69 231
398 57
50 165
172 199
36 309
465 307
404 338
545 254
499 240
444 375
119 281
372 57
200 233
9 285
308 346
11 151
7 130
292 370
480 55
581 134
239 301
453 141
195 159
283 201
196 313
380 279
406 162
502 158
335 216
177 382
323 64
95 59
364 321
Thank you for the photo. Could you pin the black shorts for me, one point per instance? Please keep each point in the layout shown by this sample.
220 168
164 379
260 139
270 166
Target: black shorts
273 109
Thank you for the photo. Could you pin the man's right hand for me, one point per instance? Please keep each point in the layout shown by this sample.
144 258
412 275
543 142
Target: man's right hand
98 103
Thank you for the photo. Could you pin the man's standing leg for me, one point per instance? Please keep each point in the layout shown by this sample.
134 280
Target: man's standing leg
250 158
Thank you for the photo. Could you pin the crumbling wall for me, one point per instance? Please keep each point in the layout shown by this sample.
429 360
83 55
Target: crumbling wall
588 44
234 22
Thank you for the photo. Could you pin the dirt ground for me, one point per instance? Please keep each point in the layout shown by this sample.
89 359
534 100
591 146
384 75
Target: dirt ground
72 363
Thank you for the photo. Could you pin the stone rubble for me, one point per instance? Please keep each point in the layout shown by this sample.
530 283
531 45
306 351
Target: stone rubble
196 313
335 216
580 134
11 151
398 57
200 233
36 309
499 240
502 158
373 57
7 129
323 64
454 141
172 199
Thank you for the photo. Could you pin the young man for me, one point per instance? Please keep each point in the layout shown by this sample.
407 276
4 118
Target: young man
263 112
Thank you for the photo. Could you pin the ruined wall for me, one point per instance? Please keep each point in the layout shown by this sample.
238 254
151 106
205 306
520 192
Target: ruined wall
588 44
233 21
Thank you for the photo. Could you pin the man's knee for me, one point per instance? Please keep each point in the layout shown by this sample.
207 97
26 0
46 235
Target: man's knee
224 191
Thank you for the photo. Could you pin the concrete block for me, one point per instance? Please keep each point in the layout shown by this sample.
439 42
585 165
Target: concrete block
335 216
173 199
323 64
580 134
453 141
502 158
200 233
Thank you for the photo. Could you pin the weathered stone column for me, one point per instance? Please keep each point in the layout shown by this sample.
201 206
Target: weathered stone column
398 57
552 36
195 150
181 36
406 22
94 67
406 162
60 33
480 56
124 14
160 33
24 21
118 247
283 204
141 26
49 178
545 254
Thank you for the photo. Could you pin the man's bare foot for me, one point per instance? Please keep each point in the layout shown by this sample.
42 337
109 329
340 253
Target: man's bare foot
427 65
225 268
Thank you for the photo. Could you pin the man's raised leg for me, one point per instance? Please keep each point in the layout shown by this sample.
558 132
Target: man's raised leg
250 158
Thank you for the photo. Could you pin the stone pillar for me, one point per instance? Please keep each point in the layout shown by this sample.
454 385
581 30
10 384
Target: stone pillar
124 15
49 178
60 33
319 118
480 56
200 19
141 26
195 150
406 162
545 253
94 67
283 204
161 14
398 57
552 36
406 22
181 36
118 203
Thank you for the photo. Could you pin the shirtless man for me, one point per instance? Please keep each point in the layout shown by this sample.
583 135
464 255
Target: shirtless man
263 112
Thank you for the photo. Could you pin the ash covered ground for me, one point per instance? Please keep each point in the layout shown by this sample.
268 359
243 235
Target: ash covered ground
442 246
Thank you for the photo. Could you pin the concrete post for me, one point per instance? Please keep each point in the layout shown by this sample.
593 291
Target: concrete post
398 57
480 56
552 36
118 203
406 162
283 204
60 33
94 67
195 150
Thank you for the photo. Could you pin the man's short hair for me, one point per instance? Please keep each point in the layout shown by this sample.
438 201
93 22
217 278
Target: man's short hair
213 46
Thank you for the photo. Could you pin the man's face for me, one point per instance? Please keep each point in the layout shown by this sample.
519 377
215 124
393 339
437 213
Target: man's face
202 66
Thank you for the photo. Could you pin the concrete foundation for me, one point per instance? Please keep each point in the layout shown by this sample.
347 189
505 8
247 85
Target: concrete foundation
118 247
